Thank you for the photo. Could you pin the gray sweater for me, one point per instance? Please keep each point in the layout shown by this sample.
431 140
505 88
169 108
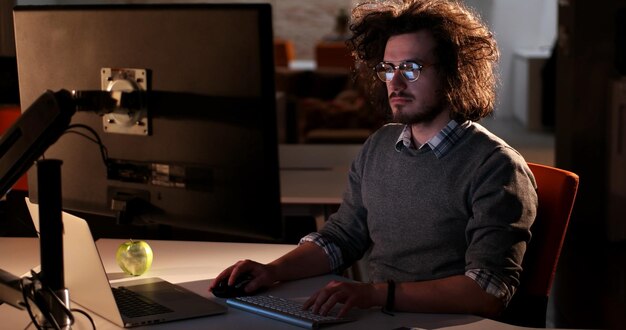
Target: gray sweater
427 218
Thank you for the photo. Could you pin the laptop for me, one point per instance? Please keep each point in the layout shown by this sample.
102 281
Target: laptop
88 285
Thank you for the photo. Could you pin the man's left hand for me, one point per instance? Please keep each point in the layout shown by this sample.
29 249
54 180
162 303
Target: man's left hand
361 295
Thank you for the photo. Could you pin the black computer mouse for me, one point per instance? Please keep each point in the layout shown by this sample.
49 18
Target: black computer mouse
223 290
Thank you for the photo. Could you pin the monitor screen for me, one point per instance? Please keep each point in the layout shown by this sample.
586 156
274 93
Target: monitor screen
204 156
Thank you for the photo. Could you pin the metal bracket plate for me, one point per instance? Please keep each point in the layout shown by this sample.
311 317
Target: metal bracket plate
125 121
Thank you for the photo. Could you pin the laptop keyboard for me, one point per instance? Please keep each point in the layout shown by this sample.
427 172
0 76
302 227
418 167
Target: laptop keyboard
132 304
283 310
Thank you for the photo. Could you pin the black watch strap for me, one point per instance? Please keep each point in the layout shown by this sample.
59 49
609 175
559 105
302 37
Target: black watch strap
391 297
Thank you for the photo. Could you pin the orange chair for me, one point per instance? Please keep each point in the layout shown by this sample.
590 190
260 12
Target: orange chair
284 52
8 115
556 191
333 54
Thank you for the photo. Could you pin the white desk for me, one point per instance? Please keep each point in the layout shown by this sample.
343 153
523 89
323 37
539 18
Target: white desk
313 177
317 156
312 186
193 264
311 192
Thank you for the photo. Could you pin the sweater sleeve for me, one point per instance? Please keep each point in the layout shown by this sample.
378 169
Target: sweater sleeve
504 204
347 228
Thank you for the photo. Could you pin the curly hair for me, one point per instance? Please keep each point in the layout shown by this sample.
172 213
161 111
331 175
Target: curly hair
466 49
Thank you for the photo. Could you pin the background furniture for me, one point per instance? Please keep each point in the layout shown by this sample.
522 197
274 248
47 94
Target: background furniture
284 52
556 190
313 178
8 115
333 54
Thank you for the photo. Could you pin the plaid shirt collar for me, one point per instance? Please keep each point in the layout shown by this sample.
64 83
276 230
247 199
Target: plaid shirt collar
441 143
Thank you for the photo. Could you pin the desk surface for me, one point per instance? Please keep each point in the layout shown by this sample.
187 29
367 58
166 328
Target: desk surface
311 187
317 156
193 264
315 174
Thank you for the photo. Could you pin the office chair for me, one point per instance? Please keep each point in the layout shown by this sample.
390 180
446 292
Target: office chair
333 54
556 191
284 52
8 115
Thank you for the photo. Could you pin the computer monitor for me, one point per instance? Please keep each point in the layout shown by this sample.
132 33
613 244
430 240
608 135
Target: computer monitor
205 157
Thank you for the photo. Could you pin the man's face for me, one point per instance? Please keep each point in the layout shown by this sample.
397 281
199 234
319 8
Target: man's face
419 101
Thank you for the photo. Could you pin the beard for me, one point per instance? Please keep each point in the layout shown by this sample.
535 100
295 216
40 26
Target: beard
424 115
410 115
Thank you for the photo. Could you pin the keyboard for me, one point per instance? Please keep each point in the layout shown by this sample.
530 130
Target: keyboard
285 310
132 304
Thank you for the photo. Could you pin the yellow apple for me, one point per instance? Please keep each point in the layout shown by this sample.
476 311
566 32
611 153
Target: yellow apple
134 257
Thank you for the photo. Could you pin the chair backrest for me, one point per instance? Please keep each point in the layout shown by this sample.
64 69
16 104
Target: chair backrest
8 115
284 52
333 54
556 192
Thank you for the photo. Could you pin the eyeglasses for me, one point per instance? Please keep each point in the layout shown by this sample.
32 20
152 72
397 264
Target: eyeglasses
410 70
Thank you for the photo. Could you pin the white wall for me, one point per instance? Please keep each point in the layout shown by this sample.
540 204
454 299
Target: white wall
518 25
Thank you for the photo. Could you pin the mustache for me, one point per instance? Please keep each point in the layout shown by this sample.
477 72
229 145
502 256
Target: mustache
402 94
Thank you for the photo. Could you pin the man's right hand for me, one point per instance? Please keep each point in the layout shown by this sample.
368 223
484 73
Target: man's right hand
305 260
263 276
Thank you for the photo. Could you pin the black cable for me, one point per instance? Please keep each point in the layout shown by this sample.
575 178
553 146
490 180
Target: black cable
36 296
33 292
25 289
96 139
66 310
93 324
83 135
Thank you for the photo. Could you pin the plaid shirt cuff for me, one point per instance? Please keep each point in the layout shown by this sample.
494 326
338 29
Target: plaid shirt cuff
492 284
331 249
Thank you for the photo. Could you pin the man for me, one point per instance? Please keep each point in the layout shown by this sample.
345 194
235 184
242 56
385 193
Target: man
443 206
